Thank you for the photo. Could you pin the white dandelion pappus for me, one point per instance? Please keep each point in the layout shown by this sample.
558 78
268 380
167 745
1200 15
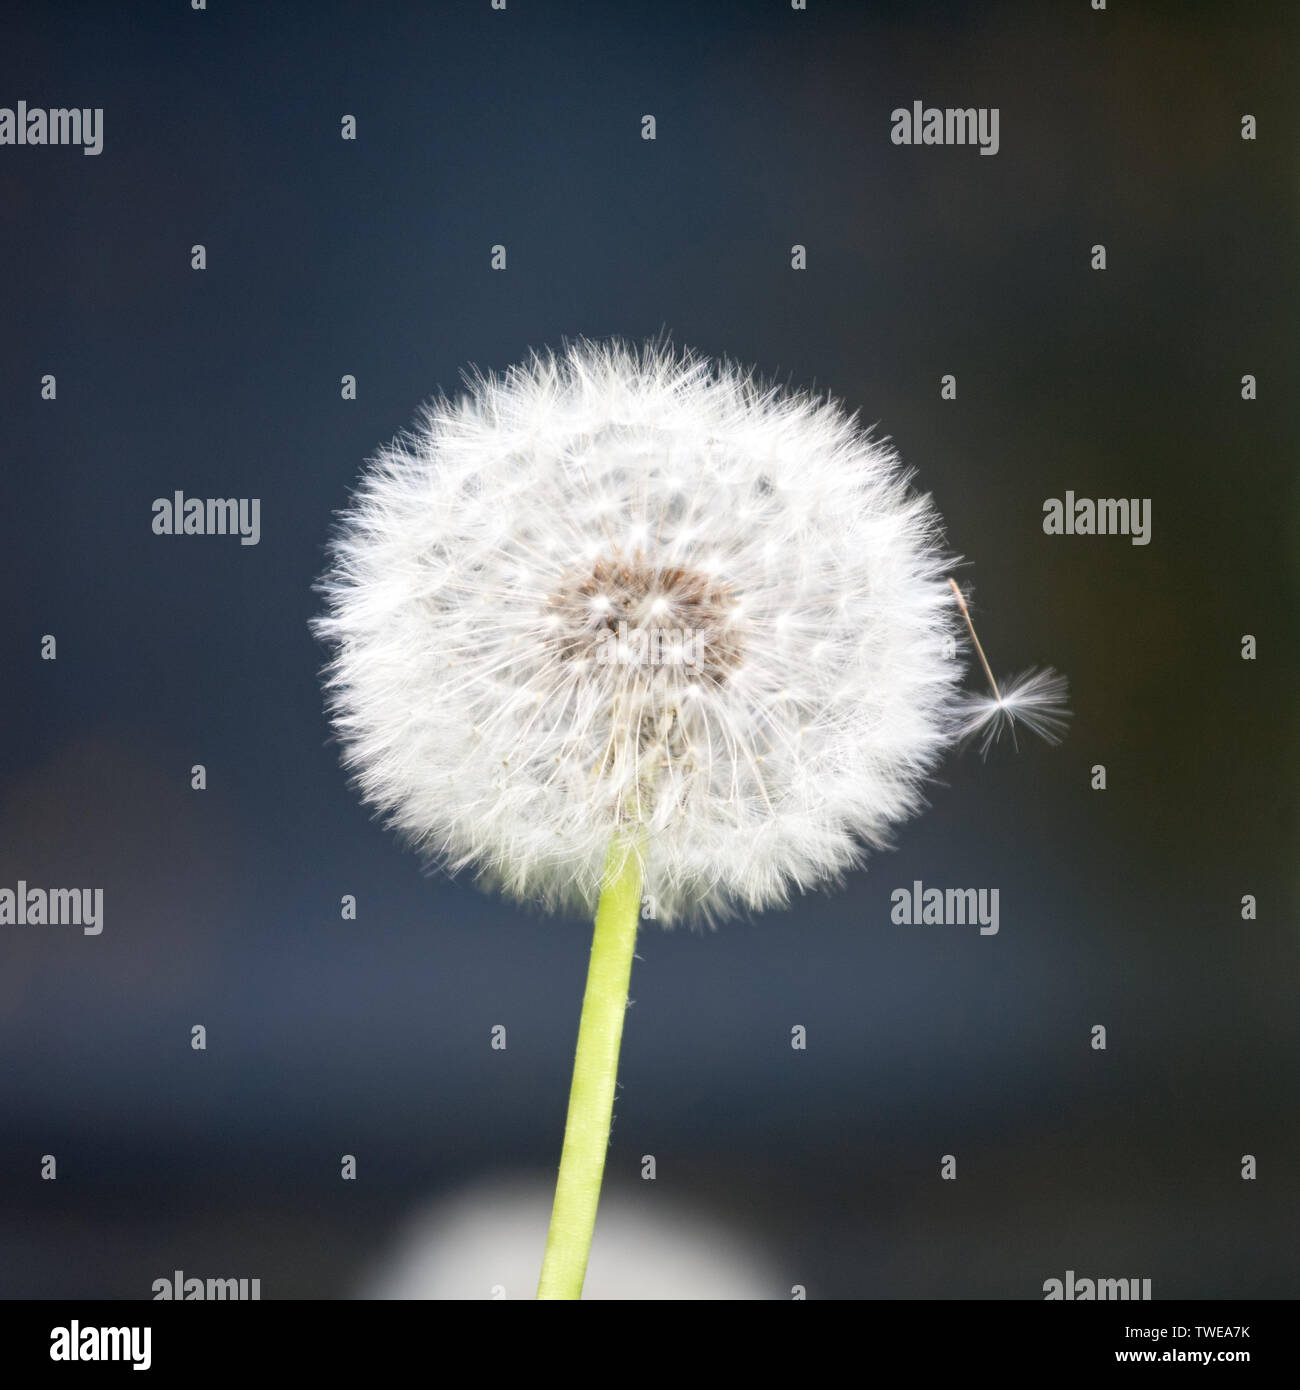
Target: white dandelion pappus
496 564
1036 699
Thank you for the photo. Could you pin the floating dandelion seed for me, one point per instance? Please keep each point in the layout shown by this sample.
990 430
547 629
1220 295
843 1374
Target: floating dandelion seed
1036 699
626 622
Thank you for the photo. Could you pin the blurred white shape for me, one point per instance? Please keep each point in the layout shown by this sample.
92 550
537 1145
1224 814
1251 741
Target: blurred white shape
487 1242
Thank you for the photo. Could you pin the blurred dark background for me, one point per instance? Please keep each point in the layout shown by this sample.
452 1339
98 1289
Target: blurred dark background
371 1037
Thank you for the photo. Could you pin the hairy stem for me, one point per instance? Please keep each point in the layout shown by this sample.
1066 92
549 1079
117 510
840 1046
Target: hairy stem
595 1067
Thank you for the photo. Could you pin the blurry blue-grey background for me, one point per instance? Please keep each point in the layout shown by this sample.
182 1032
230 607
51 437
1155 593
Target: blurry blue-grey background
371 1037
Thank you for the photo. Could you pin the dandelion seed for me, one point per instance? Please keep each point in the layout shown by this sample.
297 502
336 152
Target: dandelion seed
1036 699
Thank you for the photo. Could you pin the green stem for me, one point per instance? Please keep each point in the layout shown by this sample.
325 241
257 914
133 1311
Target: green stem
595 1066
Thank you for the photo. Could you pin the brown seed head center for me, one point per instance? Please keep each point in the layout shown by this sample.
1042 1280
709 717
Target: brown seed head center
631 614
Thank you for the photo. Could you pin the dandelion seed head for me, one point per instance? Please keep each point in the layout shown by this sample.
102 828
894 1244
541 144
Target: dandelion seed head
488 578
